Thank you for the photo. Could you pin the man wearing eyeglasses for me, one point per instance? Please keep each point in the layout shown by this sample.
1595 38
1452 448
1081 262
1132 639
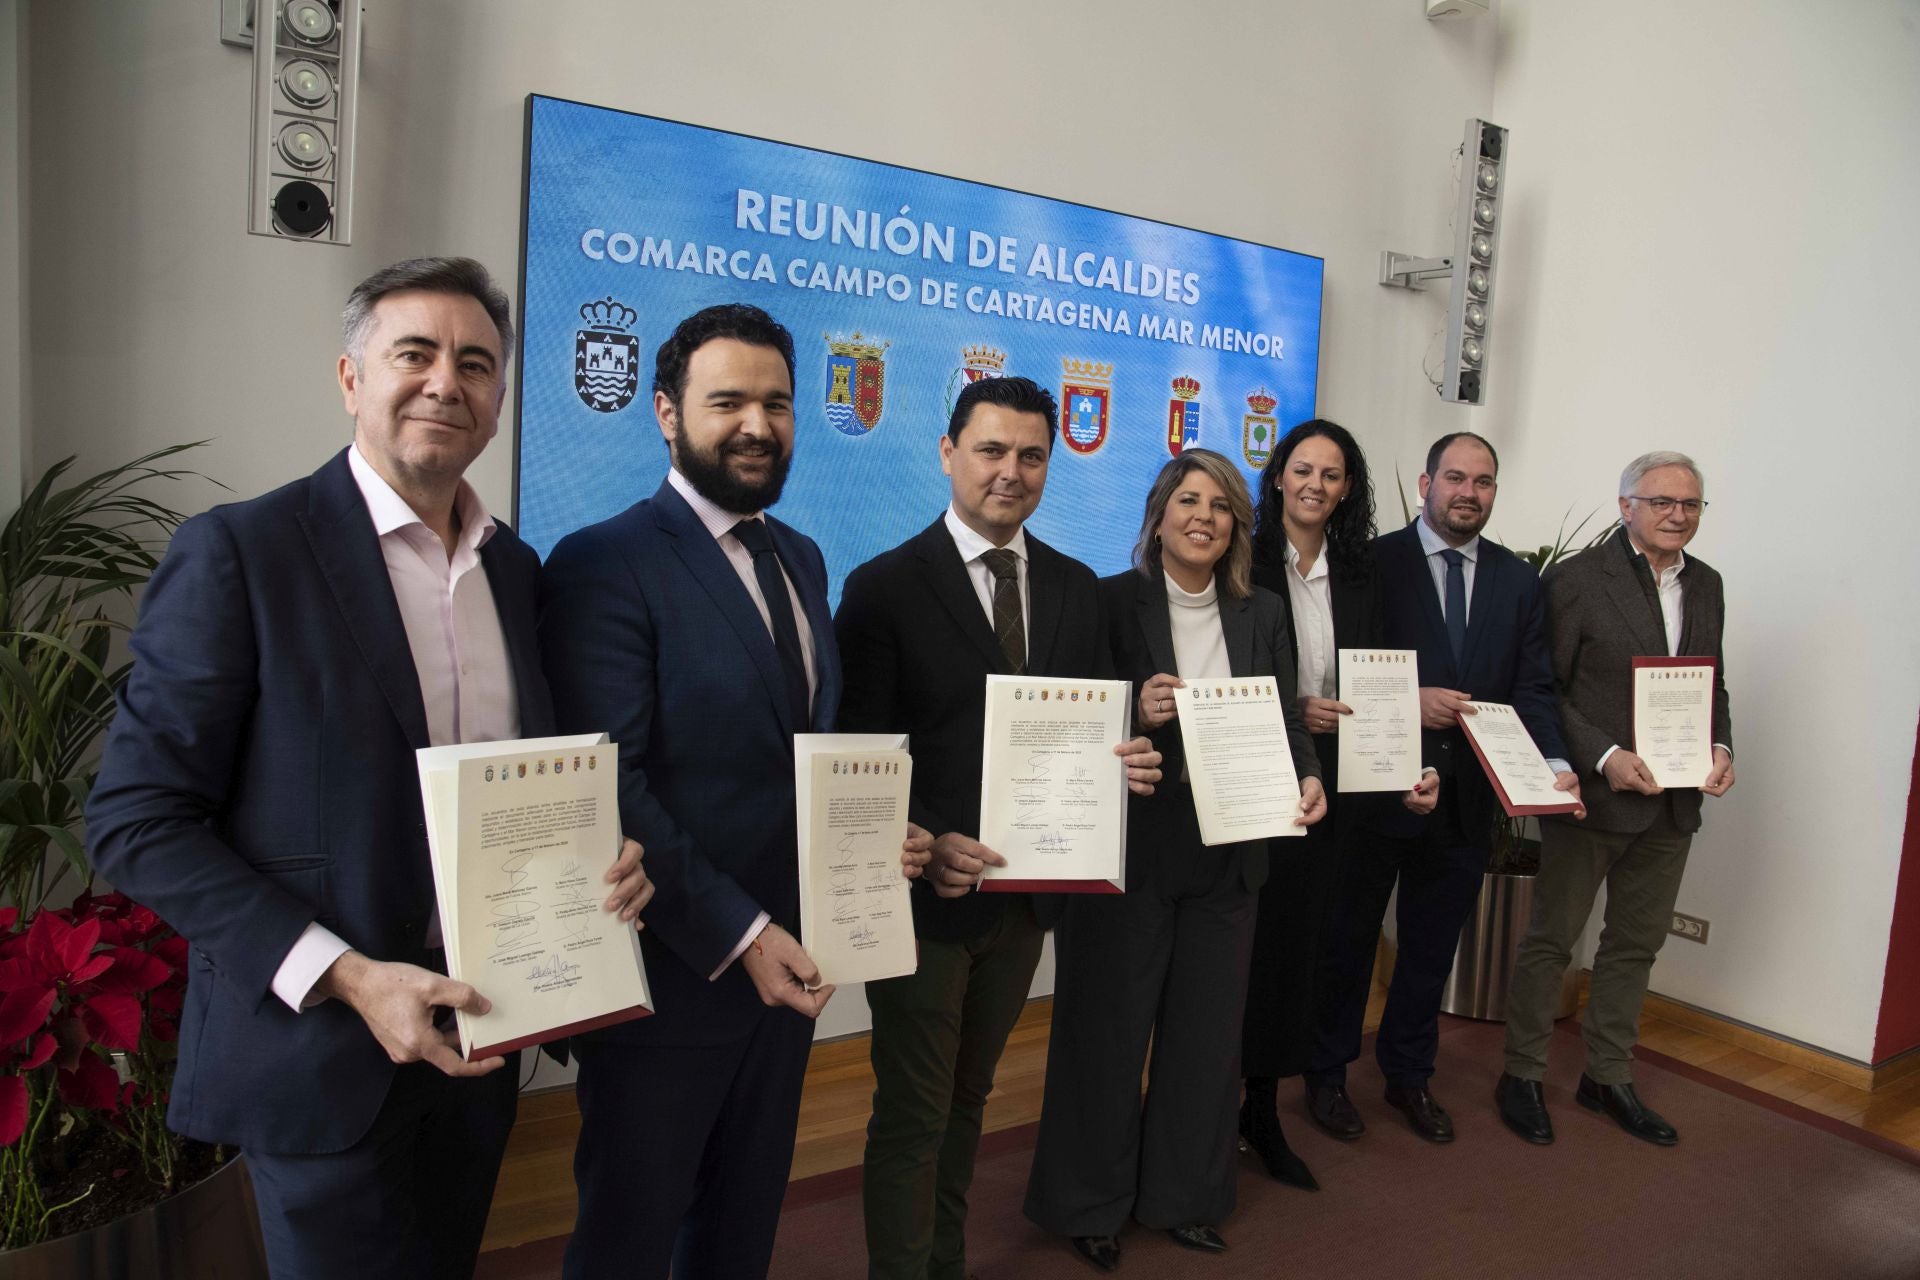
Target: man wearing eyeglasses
1637 594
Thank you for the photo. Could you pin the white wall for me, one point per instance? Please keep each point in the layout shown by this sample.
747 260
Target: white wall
1707 206
1322 128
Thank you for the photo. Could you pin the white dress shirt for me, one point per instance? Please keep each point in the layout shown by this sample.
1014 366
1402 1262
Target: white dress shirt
459 654
972 548
719 522
1311 595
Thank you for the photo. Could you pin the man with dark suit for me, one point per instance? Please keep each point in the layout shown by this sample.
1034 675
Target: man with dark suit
694 628
921 627
1634 595
259 791
1474 613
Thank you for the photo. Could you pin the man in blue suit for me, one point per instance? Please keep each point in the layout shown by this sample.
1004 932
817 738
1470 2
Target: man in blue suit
695 628
1475 613
258 790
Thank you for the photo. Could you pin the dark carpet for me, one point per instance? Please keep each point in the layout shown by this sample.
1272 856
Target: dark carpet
1756 1188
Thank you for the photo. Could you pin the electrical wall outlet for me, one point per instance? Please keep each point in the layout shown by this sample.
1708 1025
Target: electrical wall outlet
1692 928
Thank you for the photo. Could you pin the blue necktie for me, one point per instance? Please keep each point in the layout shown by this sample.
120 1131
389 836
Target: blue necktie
754 537
1456 607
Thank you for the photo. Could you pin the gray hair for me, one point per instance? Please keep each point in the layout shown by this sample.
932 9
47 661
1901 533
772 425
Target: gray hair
1637 469
424 275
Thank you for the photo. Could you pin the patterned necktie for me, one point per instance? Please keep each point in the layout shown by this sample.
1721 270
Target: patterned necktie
754 537
1456 607
1008 625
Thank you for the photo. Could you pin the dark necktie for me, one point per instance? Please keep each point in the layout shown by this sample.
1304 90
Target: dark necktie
754 537
1008 625
1456 607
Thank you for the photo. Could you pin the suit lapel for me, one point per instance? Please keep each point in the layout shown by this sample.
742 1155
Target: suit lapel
1236 624
1629 596
947 577
813 601
1046 584
708 566
516 607
340 534
1150 596
1487 570
1414 565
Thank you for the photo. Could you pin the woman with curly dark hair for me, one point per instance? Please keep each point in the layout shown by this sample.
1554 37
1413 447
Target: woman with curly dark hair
1312 547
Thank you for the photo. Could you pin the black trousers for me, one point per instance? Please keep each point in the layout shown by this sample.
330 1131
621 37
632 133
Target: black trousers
1165 962
1439 873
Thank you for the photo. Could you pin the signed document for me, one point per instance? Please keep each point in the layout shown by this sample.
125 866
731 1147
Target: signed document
1380 741
1521 776
521 834
1053 796
856 911
1673 719
1234 730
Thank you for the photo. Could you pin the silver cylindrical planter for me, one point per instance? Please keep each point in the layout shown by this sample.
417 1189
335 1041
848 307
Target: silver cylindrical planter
210 1231
1489 946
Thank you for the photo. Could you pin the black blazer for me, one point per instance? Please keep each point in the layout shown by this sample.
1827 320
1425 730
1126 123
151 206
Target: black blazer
648 633
260 776
1506 661
1258 644
916 648
1604 610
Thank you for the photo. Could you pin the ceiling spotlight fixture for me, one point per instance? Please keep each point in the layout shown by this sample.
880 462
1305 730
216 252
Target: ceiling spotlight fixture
1469 270
311 22
306 84
303 146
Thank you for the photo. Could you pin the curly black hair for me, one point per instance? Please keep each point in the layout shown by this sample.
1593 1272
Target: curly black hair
1349 529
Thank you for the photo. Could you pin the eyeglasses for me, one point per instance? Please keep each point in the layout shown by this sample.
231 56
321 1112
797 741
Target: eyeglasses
1690 507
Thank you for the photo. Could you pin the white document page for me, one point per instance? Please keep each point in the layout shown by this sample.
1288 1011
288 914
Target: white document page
856 914
1053 795
1239 760
1521 776
1673 719
522 834
1380 742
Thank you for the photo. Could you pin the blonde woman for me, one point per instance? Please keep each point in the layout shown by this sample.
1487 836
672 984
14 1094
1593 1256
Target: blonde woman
1166 962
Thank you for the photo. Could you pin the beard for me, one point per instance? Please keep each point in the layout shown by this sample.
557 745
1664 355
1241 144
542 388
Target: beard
1462 523
710 477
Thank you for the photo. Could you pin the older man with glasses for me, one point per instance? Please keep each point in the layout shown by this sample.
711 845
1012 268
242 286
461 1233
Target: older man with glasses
1634 595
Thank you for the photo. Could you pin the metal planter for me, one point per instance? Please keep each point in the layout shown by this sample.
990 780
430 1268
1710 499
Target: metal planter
210 1231
1489 946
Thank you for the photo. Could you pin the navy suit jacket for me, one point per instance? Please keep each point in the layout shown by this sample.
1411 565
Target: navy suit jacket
650 635
1507 660
260 776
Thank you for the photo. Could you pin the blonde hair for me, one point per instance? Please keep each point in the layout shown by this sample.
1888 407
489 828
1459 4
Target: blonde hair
1234 572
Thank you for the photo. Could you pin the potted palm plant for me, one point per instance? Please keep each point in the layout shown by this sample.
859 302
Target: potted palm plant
92 1183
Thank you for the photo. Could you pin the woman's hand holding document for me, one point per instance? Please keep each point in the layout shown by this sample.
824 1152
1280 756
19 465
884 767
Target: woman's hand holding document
525 840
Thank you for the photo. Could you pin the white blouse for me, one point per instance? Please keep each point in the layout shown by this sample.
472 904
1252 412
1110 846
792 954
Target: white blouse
1312 598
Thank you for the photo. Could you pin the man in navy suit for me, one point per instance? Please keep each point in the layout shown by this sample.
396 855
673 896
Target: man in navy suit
1475 613
695 629
258 790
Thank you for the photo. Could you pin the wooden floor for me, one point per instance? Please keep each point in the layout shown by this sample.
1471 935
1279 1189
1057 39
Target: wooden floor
535 1196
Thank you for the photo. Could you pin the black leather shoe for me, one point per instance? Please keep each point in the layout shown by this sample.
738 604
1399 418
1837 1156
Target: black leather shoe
1102 1251
1260 1134
1624 1105
1428 1118
1329 1107
1523 1105
1202 1237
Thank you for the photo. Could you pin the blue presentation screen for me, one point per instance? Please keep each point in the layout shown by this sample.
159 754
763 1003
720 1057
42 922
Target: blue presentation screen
899 288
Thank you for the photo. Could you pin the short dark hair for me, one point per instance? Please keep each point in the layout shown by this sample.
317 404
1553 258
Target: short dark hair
462 276
1022 395
740 321
1349 528
1440 447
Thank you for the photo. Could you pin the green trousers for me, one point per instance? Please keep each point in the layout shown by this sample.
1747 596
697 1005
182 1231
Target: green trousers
937 1038
1642 874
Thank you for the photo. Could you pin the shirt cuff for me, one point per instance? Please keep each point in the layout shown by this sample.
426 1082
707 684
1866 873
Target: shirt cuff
312 955
1721 746
1558 765
1601 765
760 922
